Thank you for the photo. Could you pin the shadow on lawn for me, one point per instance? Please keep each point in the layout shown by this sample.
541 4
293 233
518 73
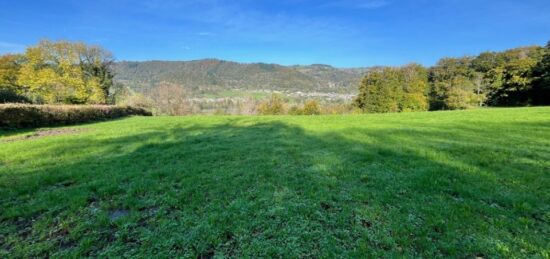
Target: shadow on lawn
8 133
271 189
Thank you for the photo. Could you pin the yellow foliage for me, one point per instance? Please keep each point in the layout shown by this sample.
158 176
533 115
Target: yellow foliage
53 73
311 108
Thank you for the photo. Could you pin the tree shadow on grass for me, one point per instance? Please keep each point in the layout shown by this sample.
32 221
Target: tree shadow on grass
274 190
10 132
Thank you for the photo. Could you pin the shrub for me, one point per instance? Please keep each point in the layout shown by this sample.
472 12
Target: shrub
171 99
274 106
311 108
137 101
338 108
295 110
26 115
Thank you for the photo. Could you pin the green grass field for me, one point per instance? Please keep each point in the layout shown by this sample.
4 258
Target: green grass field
436 184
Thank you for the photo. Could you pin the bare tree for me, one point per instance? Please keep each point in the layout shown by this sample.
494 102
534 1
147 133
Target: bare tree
171 99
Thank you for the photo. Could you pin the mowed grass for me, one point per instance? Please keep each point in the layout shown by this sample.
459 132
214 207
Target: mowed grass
441 184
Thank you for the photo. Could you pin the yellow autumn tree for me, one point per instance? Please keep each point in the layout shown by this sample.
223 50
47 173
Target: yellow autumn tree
66 72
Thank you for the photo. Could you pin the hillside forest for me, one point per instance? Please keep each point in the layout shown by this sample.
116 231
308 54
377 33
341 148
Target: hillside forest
63 72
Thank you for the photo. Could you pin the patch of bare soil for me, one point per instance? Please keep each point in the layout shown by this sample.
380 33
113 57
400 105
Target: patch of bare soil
44 133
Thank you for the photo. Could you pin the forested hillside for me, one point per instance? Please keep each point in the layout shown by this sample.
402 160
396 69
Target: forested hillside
212 76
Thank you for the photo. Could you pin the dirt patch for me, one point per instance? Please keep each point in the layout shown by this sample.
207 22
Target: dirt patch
44 133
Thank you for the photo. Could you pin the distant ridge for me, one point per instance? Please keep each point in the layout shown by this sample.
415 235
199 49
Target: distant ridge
214 75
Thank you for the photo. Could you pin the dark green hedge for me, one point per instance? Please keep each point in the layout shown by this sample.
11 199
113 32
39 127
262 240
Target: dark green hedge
27 116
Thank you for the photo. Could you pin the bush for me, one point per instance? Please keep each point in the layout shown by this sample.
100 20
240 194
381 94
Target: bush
311 108
295 110
138 101
339 108
26 115
274 106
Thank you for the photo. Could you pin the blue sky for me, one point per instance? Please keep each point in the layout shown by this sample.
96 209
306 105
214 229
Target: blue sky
342 33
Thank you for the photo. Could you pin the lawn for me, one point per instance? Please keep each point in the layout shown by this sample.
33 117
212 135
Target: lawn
434 184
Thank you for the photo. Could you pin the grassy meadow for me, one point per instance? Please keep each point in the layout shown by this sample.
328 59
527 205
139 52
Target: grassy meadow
461 184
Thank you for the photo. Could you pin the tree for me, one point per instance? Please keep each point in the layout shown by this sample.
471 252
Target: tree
66 72
118 93
415 88
394 90
96 63
171 99
487 61
9 70
541 87
379 91
511 83
453 84
10 91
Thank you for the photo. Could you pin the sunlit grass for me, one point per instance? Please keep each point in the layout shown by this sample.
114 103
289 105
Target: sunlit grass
440 184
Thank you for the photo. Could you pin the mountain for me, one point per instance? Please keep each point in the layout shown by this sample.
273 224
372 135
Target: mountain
212 77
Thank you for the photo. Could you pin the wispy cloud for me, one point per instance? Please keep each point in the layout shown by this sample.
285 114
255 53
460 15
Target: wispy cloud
245 22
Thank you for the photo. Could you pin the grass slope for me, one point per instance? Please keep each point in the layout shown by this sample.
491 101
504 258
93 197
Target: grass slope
441 184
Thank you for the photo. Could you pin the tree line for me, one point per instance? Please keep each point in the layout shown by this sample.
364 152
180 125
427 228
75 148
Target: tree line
516 77
63 72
